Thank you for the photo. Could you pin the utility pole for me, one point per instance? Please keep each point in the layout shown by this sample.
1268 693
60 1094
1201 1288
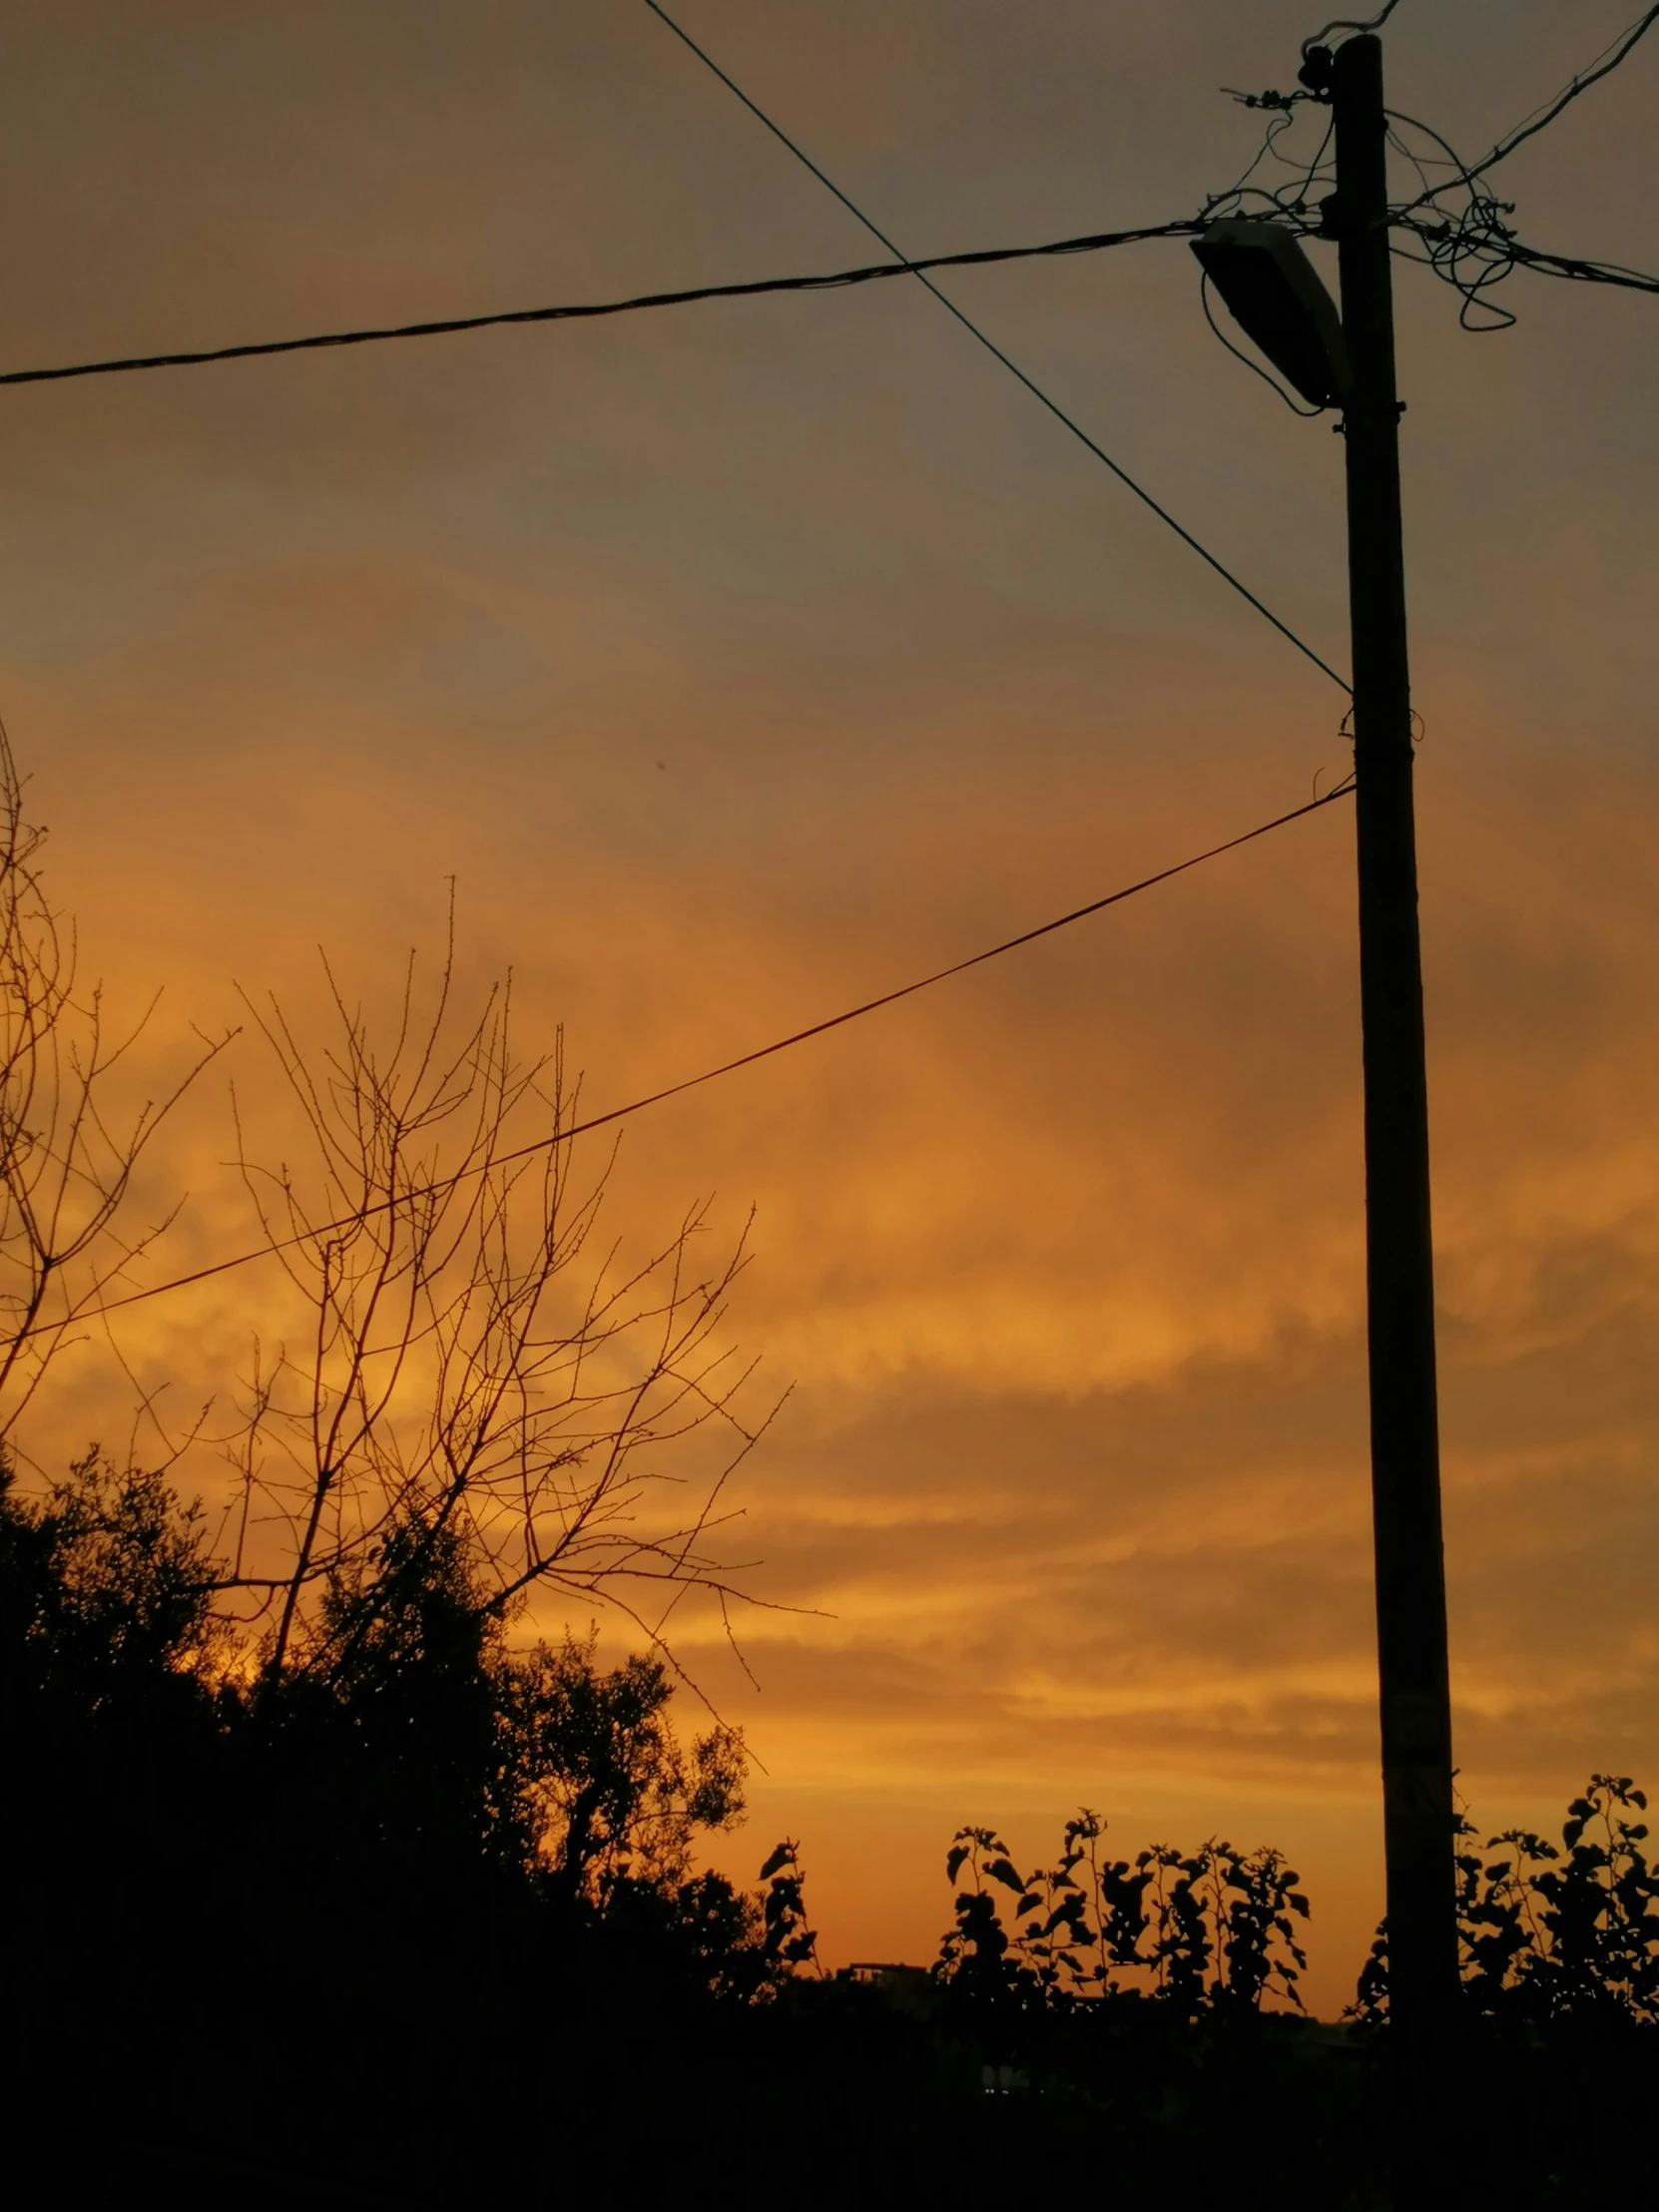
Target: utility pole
1279 301
1400 1281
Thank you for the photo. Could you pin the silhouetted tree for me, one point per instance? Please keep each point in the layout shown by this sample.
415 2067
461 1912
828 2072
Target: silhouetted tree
438 1835
314 1854
106 1591
613 1795
467 1364
310 1752
68 1149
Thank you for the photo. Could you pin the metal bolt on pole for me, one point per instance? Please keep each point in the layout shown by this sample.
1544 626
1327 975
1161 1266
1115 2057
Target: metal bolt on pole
1406 1467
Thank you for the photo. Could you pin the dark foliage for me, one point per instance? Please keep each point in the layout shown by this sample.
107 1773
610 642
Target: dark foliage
1552 1938
1145 2014
1210 1933
337 1911
415 1919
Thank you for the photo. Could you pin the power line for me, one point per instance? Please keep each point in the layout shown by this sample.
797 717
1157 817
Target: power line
1494 255
1091 243
1604 66
327 341
1583 271
1472 248
1343 23
917 268
727 1068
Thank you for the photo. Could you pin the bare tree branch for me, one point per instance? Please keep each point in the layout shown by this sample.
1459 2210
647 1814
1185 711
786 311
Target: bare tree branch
468 1366
66 1166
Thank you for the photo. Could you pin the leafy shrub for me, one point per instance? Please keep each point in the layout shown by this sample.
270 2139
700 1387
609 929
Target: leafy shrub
1211 1932
1551 1935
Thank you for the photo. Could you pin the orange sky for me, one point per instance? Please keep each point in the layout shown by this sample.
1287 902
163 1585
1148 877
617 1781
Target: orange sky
745 660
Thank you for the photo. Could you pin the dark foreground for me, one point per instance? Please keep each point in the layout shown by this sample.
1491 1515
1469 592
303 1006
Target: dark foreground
414 1922
521 2078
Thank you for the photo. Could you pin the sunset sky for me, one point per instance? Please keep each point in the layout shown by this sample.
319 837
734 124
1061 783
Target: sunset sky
745 660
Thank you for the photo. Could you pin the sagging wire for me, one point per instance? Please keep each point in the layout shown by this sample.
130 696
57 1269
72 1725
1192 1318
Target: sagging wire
1544 115
1470 245
1293 199
566 1134
1343 23
1292 204
1345 731
1457 226
1470 248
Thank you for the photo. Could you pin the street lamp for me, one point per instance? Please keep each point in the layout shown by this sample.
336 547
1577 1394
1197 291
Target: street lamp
1273 293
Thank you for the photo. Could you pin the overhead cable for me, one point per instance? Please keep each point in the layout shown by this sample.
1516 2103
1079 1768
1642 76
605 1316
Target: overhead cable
1582 272
1092 242
918 271
1470 244
1483 212
1541 118
563 1136
1472 261
1342 23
